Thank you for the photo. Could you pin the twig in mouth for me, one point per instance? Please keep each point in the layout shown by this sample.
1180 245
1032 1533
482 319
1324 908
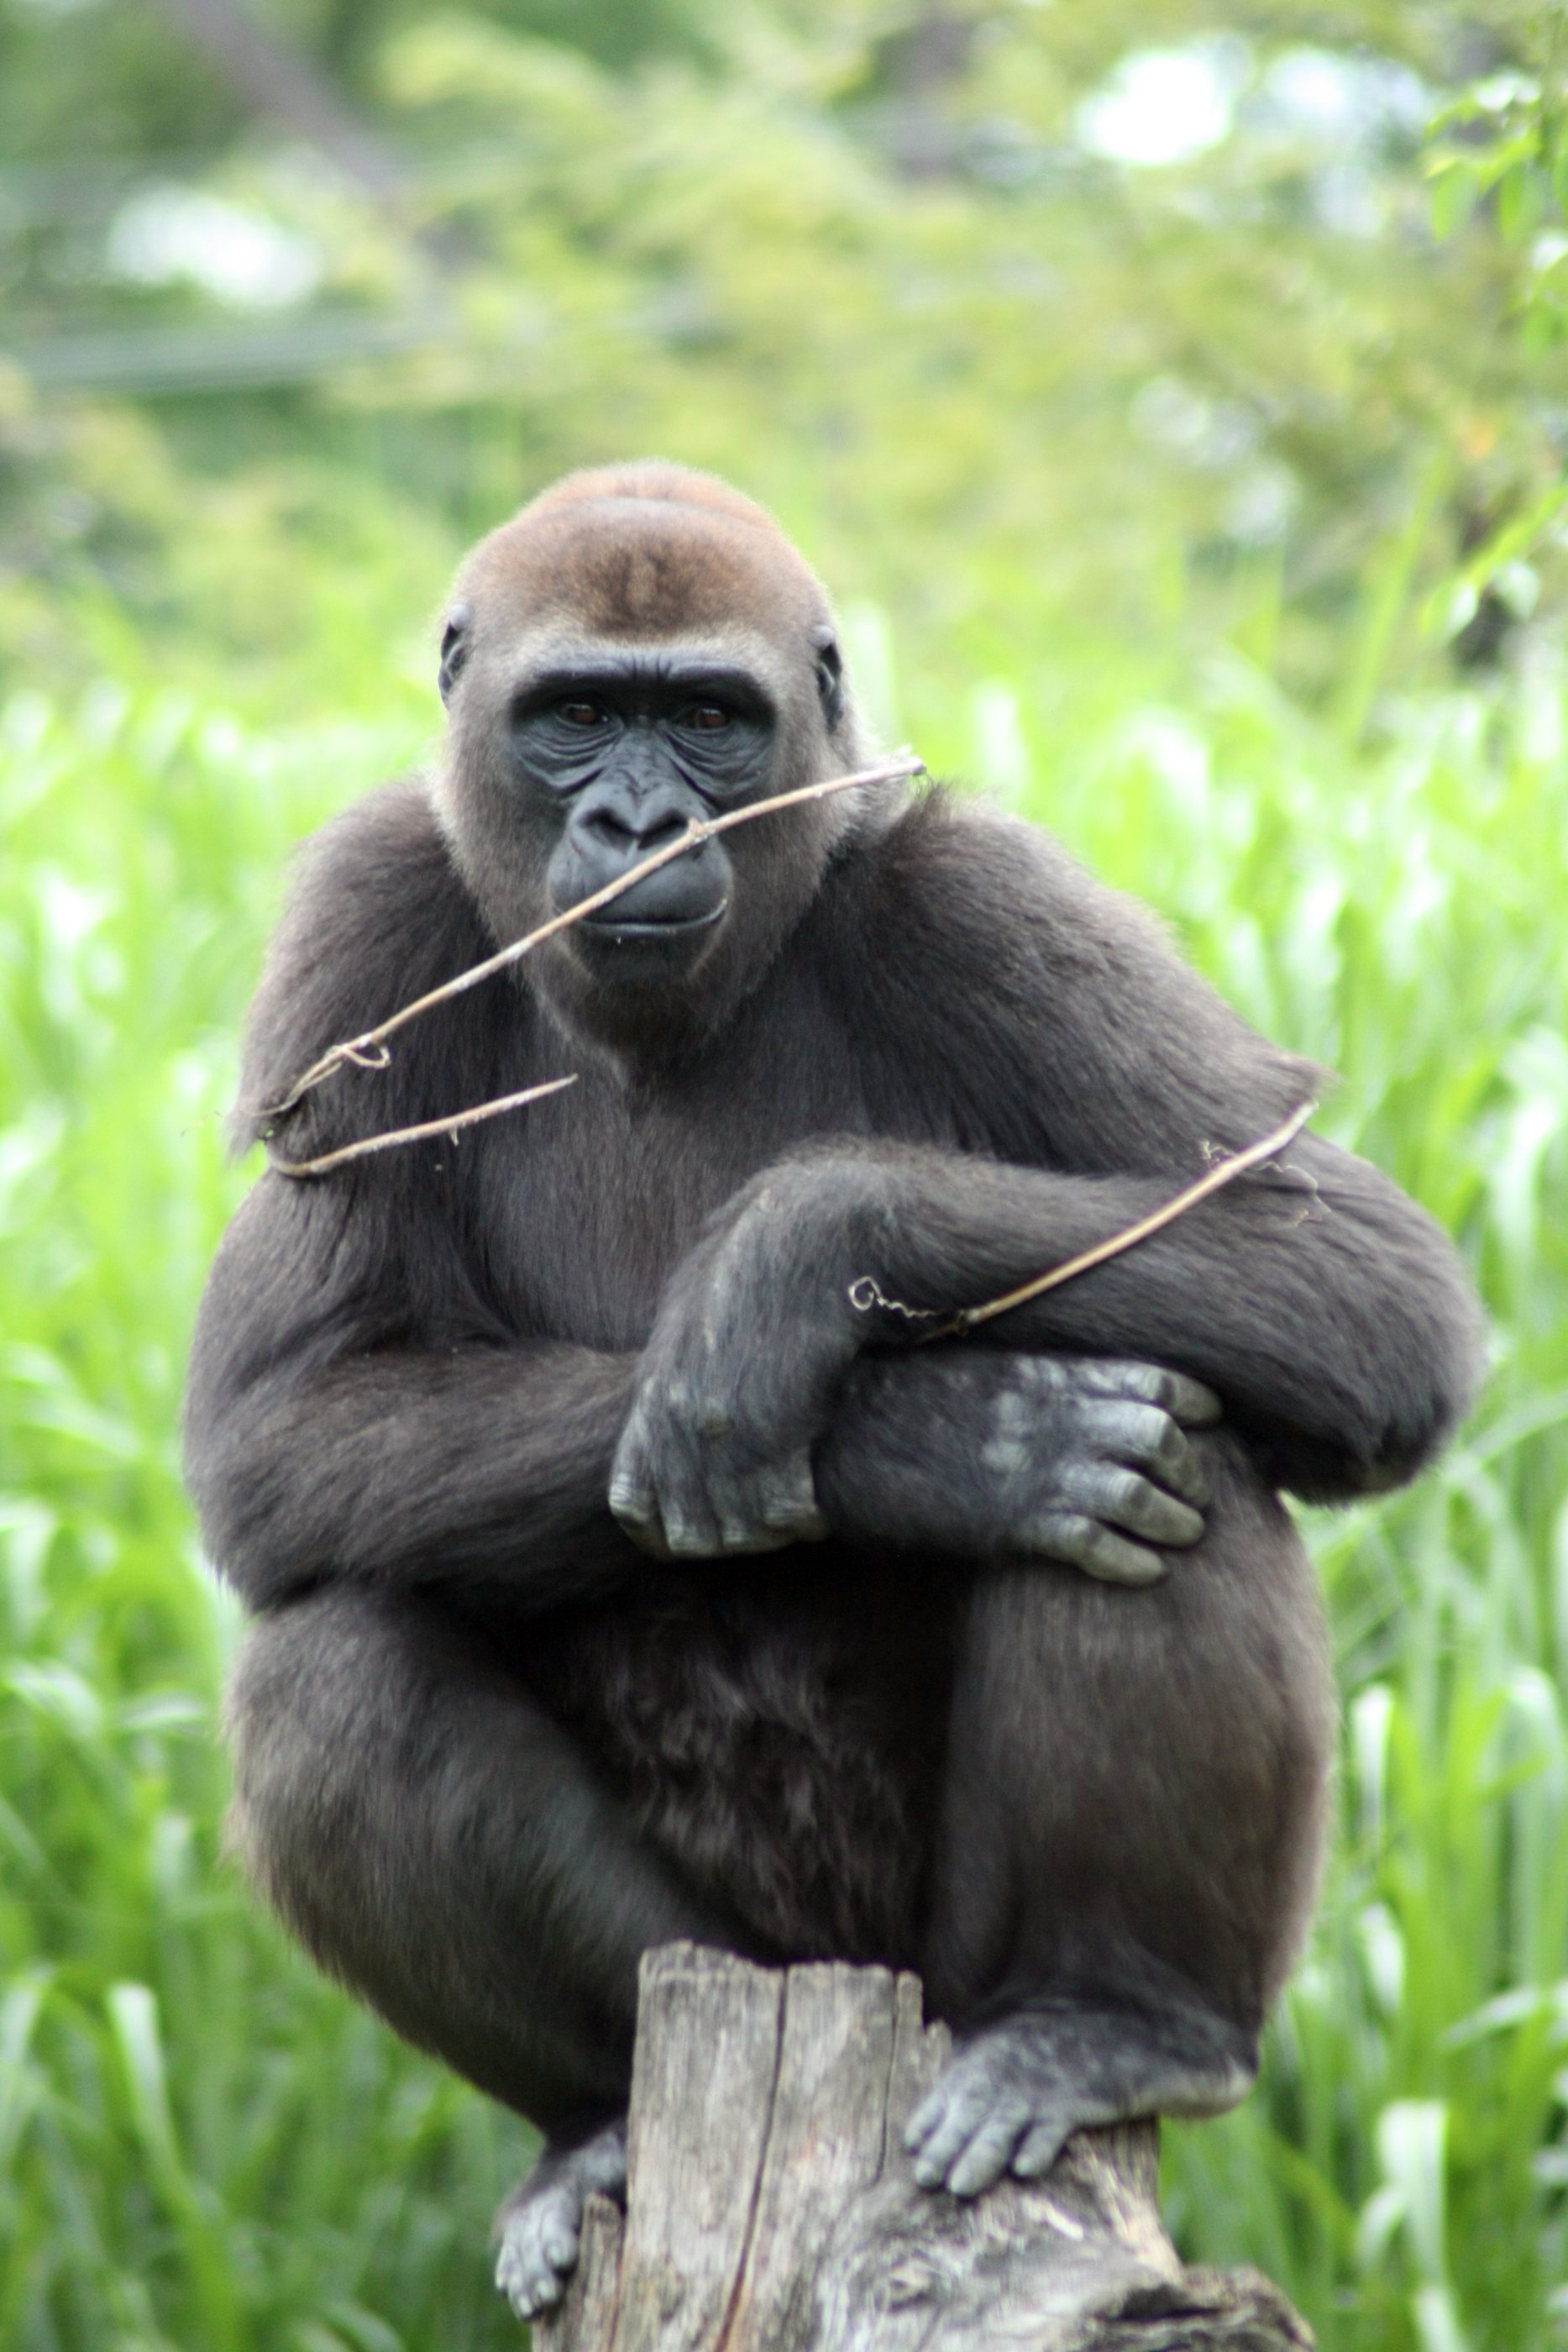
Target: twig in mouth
368 1050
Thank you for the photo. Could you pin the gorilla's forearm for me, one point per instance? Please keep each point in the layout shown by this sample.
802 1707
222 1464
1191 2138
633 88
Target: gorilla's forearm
1333 1317
483 1470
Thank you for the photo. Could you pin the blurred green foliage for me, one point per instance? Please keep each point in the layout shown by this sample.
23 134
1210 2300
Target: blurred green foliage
1209 508
896 266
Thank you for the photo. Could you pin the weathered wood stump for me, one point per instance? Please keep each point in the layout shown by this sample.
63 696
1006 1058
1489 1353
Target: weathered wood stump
773 2208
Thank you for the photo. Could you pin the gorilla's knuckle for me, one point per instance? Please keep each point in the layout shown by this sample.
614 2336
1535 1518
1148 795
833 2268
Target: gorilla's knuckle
1012 1412
1127 1496
1005 1456
1147 1431
1066 1536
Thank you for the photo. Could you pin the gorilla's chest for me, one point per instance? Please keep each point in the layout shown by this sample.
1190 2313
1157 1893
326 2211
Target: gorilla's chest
586 1226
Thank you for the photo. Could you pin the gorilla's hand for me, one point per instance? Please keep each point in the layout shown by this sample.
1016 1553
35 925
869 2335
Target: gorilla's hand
981 1451
749 1378
737 1383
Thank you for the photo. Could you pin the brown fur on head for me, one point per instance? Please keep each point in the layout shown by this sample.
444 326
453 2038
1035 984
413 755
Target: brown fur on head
658 553
653 550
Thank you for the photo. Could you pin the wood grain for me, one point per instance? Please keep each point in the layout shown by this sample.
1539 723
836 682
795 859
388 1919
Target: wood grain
771 2207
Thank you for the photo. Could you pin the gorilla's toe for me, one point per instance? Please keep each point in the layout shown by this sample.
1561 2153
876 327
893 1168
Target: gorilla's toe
541 2224
1001 2094
1014 2093
538 2250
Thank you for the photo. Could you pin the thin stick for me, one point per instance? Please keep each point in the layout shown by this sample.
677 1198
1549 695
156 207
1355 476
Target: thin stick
1223 1171
324 1165
368 1051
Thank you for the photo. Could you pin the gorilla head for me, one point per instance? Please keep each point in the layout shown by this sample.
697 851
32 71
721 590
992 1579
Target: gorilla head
638 648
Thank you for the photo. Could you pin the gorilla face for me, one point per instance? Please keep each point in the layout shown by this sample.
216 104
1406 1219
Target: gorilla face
615 670
632 748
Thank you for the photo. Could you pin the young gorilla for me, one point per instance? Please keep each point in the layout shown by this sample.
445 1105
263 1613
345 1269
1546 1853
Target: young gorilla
618 1577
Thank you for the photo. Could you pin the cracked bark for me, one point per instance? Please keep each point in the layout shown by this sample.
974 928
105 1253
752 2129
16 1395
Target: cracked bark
773 2208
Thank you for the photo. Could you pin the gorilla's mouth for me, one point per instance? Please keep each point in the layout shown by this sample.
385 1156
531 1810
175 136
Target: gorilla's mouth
611 926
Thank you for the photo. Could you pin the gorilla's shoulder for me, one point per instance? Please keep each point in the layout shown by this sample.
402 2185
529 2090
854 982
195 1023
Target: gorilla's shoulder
1055 1015
376 914
384 858
959 877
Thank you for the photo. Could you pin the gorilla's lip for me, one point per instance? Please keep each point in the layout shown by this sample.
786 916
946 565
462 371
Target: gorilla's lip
657 927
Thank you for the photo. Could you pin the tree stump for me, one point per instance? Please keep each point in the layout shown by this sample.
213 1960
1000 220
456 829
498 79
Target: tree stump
773 2208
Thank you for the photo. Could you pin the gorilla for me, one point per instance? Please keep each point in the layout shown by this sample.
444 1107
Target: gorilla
627 1560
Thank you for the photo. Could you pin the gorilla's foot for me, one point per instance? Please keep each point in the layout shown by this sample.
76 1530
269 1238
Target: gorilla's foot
1016 2089
540 2223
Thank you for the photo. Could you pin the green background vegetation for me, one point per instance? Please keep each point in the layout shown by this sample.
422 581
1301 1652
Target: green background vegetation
1207 508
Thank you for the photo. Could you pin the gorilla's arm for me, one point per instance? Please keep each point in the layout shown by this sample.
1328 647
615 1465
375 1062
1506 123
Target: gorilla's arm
1048 1020
1334 1324
355 1406
321 1441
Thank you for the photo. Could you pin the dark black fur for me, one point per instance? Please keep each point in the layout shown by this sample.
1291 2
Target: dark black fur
488 1749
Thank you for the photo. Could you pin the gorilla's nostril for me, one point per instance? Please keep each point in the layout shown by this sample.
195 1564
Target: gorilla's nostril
631 832
661 831
613 831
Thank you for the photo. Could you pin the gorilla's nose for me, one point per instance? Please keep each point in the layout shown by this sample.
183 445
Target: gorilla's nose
616 829
637 833
624 824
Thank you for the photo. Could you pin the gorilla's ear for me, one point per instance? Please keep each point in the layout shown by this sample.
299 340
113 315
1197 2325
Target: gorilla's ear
830 674
454 649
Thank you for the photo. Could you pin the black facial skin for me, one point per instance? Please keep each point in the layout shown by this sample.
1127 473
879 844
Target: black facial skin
615 1578
637 750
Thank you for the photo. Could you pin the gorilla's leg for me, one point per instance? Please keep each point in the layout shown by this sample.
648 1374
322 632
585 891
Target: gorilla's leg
1131 1824
440 1845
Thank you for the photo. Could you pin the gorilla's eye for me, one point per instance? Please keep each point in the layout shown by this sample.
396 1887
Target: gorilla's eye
579 712
709 717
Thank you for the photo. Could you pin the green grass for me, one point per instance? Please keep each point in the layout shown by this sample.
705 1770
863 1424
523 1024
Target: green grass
202 2144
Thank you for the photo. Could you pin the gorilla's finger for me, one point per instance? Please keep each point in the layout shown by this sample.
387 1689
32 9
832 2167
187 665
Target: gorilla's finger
786 1495
646 1529
926 2118
942 2126
632 1504
1122 1498
1151 1440
1083 1543
733 1510
1184 1398
632 1498
560 2240
691 1531
989 2151
947 2144
1040 2146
